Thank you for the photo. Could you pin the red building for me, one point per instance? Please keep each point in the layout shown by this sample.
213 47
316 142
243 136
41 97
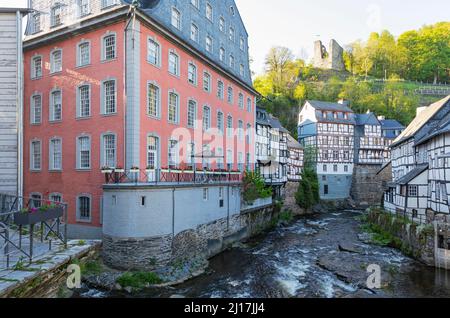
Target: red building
120 90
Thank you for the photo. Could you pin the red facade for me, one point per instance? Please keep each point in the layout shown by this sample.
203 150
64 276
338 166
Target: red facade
76 121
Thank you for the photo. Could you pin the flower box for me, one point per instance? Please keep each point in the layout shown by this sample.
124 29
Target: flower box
119 170
30 218
107 170
150 170
189 171
176 171
135 170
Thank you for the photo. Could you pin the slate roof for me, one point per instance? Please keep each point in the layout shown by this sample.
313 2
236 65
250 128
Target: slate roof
366 119
391 124
275 123
412 174
292 143
264 119
421 120
319 105
436 129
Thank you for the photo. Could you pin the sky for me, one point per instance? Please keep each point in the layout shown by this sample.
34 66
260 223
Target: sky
296 24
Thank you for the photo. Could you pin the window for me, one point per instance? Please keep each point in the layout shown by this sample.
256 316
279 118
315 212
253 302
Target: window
232 61
55 106
108 3
249 105
36 23
192 113
176 18
36 67
84 101
154 52
231 34
56 61
84 54
220 122
220 158
229 159
109 151
249 134
206 82
55 15
205 194
209 12
222 54
84 152
345 168
241 161
229 126
36 200
55 197
194 32
153 100
55 155
242 44
192 74
222 24
174 65
173 154
413 190
241 69
173 107
206 118
325 168
36 109
195 3
241 100
325 189
240 130
335 168
35 157
83 7
109 47
109 97
220 89
209 44
152 152
230 95
84 208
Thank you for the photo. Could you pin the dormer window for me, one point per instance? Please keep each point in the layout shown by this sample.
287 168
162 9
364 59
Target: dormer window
335 115
324 114
36 23
55 15
345 116
83 7
209 12
232 11
176 18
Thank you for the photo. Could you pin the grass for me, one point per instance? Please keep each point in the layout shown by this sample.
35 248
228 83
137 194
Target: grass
91 267
139 280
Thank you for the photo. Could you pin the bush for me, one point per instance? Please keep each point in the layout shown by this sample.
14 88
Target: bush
308 190
139 279
254 187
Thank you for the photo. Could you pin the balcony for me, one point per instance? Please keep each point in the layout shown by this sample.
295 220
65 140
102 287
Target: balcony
160 177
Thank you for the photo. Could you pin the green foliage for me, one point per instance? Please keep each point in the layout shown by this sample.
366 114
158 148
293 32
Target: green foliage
254 187
308 190
286 216
139 280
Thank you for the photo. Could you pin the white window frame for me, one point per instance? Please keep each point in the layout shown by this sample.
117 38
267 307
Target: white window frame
78 152
103 149
52 105
192 71
79 57
79 106
192 102
33 120
103 97
33 67
51 154
78 207
207 81
33 165
158 100
177 109
151 40
178 22
177 64
53 68
103 46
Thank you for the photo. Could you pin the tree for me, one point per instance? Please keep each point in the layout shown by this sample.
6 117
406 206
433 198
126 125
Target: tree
308 189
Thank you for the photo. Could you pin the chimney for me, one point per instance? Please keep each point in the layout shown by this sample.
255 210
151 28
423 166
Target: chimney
343 102
381 117
420 110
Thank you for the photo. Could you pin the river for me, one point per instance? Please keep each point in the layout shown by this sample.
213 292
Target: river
320 256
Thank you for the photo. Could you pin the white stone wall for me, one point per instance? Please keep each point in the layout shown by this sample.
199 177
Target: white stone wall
166 211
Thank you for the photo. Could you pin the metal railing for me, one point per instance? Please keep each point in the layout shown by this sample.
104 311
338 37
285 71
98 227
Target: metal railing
29 226
172 176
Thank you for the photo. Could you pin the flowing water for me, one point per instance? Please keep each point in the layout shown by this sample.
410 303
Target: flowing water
321 256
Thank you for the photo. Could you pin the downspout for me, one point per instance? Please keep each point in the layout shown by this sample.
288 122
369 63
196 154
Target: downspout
19 105
173 213
125 69
228 207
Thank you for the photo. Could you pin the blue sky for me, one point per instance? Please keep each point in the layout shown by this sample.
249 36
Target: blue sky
298 23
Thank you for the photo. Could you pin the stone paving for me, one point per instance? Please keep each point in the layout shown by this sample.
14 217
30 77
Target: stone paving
43 263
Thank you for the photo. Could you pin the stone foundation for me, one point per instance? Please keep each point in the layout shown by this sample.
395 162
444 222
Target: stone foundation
367 187
290 203
205 241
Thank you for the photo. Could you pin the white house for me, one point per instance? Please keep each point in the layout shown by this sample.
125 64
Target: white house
11 100
329 129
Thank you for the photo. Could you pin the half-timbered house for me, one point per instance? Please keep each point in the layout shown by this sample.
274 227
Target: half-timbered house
328 129
369 143
296 160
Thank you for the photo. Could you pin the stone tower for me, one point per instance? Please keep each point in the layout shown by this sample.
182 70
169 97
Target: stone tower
333 59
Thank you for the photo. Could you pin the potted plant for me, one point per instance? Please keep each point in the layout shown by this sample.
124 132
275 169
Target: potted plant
150 169
165 169
135 169
119 169
107 170
30 216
